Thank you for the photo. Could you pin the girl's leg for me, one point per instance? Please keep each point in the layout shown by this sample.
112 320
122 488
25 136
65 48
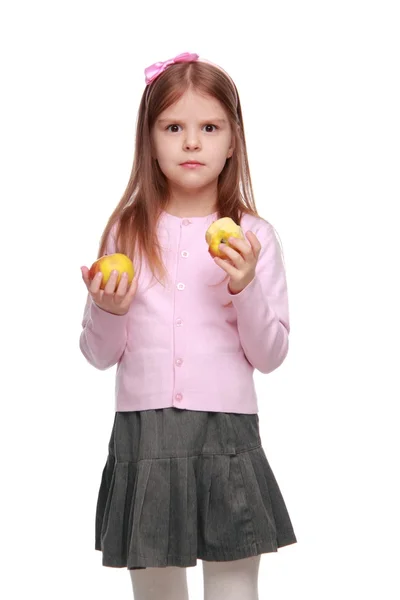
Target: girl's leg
232 580
161 583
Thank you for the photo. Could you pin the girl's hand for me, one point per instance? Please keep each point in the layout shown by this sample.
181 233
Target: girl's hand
243 261
112 300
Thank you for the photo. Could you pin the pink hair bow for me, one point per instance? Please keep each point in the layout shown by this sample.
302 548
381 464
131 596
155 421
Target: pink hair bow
155 70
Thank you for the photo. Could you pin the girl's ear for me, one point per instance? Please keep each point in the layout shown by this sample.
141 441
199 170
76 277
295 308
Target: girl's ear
233 143
152 148
231 148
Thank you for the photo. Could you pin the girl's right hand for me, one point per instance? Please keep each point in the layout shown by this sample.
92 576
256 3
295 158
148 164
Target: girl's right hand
113 300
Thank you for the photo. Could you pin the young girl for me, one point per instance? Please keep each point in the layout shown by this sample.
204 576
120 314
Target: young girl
186 476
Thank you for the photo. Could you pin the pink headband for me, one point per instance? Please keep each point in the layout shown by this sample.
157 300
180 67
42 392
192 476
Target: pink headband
155 70
152 72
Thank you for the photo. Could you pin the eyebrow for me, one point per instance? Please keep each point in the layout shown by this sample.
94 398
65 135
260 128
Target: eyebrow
220 121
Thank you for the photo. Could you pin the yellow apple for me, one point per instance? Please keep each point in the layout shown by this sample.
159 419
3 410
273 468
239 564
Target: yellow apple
107 263
220 231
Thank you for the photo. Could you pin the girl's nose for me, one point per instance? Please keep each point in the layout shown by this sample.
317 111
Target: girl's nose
192 145
191 142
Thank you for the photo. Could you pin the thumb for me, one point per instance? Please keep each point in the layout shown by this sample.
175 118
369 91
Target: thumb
85 275
133 287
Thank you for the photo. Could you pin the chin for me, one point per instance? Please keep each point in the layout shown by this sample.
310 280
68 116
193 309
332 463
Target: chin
193 182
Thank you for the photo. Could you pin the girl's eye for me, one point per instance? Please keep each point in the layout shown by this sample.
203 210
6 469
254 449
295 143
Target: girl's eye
174 126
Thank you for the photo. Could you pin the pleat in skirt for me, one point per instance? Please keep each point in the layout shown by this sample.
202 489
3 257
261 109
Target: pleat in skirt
181 485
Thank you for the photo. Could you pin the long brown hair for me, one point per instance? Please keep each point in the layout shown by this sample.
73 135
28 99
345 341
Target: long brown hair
146 194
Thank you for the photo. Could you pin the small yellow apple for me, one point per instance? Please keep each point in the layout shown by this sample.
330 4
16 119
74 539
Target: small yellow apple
220 231
107 263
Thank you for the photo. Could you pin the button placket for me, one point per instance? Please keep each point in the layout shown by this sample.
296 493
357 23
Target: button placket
180 302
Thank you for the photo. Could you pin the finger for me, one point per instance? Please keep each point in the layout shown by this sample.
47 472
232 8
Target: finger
254 241
133 288
243 247
110 286
228 268
127 298
85 276
122 286
95 283
236 258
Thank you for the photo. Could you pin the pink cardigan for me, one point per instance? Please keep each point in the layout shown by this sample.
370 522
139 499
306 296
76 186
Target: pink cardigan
178 345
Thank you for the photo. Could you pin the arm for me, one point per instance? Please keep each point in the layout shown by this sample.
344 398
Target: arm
262 307
104 336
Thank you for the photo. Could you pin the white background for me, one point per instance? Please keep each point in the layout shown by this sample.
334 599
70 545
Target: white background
319 85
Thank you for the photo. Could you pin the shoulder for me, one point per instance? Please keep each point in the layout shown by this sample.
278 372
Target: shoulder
265 232
256 224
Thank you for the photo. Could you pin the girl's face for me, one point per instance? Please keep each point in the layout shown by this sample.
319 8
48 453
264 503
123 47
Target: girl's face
195 128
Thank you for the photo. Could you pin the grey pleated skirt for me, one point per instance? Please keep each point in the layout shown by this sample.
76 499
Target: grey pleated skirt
181 485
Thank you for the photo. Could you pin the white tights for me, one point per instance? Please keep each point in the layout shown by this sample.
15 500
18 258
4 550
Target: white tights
232 580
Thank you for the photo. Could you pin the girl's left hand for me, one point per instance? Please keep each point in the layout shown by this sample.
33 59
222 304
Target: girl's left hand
244 260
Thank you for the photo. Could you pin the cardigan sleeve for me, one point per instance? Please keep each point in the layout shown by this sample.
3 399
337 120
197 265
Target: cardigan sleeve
104 335
262 307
